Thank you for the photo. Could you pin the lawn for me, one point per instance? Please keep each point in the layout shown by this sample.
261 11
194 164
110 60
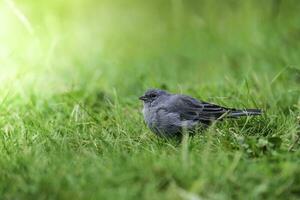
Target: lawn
71 73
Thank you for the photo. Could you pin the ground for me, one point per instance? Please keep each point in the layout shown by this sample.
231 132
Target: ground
70 120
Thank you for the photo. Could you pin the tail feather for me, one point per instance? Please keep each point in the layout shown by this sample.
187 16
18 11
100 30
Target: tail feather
246 112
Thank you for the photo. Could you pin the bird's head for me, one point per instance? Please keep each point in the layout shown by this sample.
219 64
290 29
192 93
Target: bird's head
152 94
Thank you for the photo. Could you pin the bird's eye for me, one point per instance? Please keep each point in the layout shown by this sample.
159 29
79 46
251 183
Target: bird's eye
153 95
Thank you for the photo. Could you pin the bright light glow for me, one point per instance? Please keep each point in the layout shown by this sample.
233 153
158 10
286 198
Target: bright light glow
23 19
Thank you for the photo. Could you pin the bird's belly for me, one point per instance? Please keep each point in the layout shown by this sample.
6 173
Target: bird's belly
161 124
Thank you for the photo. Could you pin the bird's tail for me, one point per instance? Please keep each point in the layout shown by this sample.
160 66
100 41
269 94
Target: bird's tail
245 112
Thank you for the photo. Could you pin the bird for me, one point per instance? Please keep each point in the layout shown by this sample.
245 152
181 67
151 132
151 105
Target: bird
169 115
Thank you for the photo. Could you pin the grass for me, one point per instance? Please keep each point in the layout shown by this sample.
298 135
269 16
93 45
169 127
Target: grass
70 120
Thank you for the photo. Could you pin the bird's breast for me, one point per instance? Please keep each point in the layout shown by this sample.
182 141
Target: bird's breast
150 116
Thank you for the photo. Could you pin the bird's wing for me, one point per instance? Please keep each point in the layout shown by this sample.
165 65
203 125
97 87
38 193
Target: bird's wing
192 109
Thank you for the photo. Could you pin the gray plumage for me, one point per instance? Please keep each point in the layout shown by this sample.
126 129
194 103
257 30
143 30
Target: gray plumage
169 114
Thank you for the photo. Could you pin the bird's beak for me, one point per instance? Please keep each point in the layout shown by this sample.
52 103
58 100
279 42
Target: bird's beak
143 98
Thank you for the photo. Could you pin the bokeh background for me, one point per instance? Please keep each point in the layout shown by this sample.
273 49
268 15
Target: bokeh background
71 72
132 45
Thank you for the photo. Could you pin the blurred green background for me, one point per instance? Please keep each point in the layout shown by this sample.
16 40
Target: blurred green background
136 44
71 72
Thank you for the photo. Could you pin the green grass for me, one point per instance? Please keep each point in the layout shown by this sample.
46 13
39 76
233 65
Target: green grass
71 125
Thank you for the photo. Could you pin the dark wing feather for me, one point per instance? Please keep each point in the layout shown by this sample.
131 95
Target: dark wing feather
192 109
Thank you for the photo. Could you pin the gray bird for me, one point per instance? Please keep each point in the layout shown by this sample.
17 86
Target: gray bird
170 114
